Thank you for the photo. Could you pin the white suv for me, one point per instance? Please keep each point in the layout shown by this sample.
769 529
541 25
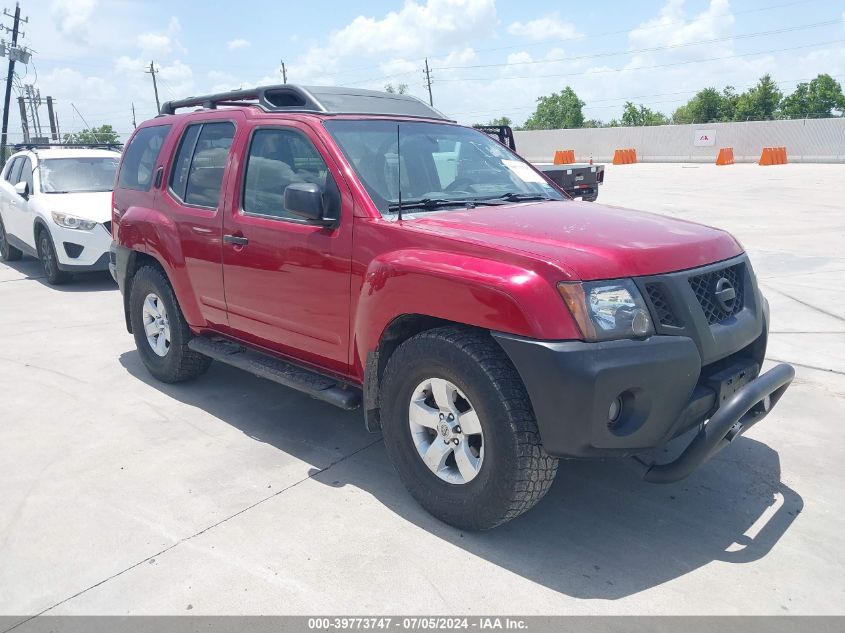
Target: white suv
55 204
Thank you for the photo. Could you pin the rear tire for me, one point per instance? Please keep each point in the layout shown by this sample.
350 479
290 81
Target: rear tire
513 472
8 253
160 330
49 260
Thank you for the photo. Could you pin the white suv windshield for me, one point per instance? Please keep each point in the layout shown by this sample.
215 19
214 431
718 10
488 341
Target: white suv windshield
79 174
438 166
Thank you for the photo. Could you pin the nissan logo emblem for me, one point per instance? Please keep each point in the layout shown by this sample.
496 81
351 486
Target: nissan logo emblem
725 294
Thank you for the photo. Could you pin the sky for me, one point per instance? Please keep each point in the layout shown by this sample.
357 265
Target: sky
488 58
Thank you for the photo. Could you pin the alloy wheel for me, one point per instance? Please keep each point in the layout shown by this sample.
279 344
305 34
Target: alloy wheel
156 324
446 431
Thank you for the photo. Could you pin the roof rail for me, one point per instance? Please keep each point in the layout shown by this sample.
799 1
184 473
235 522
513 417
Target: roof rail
22 146
314 99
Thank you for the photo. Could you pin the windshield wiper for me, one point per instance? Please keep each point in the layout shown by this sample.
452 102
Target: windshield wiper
431 203
523 197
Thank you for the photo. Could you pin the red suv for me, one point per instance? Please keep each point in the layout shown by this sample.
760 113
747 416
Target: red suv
362 248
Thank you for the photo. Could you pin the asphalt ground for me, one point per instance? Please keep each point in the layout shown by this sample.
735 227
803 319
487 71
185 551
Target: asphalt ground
230 495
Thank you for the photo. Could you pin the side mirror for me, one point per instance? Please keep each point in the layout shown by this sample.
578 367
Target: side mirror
305 200
22 189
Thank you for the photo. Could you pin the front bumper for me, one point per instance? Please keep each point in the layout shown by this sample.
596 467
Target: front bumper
81 251
663 388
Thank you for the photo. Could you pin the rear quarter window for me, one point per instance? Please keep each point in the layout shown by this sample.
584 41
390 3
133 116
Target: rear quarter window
139 159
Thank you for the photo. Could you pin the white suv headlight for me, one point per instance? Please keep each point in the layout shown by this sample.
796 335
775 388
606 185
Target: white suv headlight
72 222
606 310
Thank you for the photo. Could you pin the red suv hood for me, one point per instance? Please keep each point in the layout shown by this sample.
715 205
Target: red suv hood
588 240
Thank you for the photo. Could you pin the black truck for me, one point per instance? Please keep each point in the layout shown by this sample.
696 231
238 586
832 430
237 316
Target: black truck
579 180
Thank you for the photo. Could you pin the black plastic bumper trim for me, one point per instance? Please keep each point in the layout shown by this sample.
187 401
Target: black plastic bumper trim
746 408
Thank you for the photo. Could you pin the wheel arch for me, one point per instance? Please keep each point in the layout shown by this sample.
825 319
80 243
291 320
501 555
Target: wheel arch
399 330
135 262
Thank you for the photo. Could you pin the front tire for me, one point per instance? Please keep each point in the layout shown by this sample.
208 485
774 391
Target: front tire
8 253
50 261
460 430
160 330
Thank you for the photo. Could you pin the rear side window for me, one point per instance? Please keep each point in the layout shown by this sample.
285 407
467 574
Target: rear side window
197 174
140 157
14 170
26 173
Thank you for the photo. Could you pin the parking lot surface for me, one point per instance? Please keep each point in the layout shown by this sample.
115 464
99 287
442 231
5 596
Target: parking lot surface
122 495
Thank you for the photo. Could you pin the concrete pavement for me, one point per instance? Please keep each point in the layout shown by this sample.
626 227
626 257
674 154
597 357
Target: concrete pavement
121 495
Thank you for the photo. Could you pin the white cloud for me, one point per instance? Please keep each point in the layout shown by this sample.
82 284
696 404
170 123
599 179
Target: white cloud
73 17
154 44
416 30
670 28
550 27
238 43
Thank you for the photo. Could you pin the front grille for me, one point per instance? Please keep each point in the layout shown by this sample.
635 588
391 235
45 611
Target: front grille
704 287
662 310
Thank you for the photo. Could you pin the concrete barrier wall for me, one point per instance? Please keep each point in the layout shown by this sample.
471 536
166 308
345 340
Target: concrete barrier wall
806 140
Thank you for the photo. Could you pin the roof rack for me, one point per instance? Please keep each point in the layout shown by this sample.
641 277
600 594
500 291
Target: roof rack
21 146
314 99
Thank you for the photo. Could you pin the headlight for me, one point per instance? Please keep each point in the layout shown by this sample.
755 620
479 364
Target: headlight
72 222
606 310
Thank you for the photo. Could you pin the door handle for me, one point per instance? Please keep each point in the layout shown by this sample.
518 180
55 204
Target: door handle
238 240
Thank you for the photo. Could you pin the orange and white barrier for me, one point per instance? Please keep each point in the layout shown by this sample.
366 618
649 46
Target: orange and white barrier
773 156
564 157
726 156
624 156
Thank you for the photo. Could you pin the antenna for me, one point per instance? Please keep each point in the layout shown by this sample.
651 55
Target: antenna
399 170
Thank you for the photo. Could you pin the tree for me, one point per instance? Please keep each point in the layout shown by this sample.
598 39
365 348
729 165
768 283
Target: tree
708 105
633 115
503 120
103 134
760 102
399 89
818 98
556 111
592 123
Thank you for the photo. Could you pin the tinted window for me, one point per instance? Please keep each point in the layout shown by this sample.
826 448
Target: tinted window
205 174
278 158
14 166
140 157
182 164
26 173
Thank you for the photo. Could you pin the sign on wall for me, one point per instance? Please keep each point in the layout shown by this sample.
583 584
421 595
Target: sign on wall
704 138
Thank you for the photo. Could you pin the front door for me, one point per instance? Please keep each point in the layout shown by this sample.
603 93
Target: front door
286 279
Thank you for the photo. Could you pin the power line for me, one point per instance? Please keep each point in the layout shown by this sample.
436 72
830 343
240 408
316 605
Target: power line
619 70
652 49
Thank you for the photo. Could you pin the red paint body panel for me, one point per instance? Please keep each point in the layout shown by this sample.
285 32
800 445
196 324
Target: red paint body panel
325 295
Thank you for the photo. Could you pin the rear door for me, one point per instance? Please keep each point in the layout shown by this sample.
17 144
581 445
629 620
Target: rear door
10 173
192 196
287 280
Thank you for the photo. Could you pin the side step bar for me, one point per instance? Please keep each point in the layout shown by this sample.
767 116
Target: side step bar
316 385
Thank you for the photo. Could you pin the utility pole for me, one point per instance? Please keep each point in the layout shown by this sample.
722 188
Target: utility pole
134 124
428 82
9 77
54 131
284 72
24 125
152 71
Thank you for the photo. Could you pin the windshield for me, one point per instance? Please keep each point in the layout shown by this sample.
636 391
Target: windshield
80 174
441 165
